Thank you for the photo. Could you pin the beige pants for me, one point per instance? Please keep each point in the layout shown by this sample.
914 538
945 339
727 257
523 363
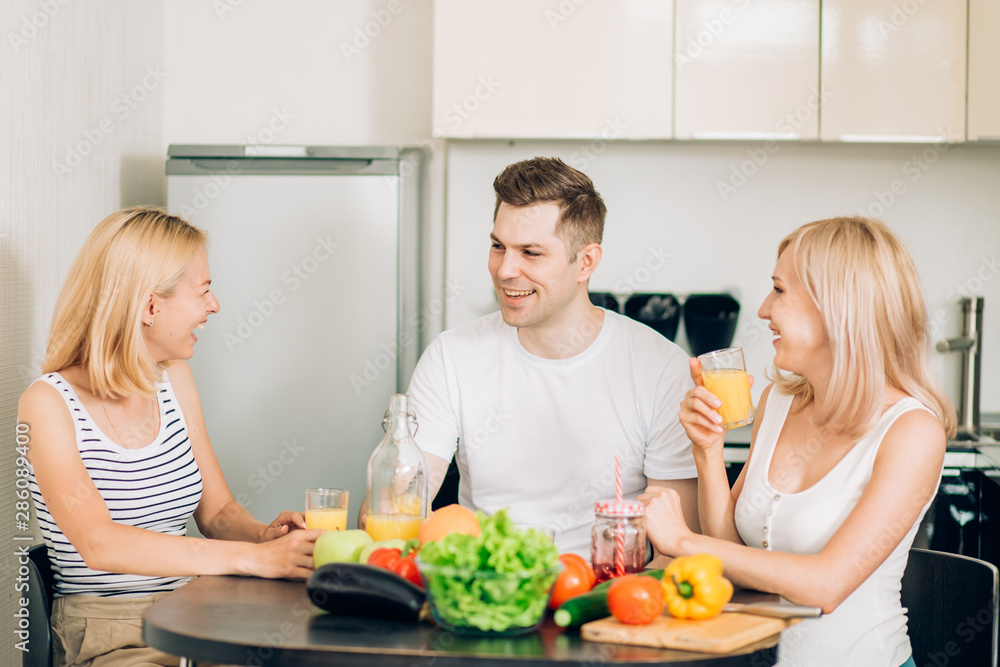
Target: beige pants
90 631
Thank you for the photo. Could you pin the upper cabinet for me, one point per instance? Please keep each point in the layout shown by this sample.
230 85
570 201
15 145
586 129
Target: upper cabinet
530 69
747 69
984 70
893 71
836 70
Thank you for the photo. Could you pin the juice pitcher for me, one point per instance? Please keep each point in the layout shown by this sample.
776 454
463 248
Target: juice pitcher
397 478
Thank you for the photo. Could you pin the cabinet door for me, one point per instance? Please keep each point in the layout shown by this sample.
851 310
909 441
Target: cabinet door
893 70
747 69
984 70
523 68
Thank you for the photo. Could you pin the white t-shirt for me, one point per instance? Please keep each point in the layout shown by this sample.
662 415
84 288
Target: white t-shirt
539 436
869 627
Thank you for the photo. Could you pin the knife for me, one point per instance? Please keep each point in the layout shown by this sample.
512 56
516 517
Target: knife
775 609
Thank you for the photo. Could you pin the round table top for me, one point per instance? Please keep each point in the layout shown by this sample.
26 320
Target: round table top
251 621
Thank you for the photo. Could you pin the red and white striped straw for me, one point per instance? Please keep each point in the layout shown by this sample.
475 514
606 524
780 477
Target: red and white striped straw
618 480
619 526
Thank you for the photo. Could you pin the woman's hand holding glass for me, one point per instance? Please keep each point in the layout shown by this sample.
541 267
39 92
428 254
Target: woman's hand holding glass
700 414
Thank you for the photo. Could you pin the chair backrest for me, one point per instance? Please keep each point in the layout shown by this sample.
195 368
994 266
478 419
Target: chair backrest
951 604
40 589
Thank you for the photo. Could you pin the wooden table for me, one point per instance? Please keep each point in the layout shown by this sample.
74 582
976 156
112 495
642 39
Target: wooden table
255 622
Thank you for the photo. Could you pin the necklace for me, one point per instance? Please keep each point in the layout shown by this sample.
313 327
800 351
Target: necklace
121 440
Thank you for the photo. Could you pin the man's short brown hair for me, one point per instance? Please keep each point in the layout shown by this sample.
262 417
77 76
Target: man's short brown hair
549 179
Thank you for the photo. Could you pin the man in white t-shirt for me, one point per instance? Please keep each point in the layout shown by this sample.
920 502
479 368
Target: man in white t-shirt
538 399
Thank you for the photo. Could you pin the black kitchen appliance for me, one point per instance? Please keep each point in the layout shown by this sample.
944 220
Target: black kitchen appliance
661 312
605 300
710 321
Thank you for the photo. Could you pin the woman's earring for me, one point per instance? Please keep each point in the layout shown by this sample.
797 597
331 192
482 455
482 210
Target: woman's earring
149 323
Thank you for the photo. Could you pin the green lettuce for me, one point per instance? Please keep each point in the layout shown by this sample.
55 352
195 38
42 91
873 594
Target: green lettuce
466 581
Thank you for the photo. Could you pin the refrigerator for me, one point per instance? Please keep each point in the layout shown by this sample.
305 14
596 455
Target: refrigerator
313 252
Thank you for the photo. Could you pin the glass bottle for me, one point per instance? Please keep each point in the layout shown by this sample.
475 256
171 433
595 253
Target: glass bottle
397 478
614 524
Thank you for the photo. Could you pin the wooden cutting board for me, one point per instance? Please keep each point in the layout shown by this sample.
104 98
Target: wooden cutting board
722 634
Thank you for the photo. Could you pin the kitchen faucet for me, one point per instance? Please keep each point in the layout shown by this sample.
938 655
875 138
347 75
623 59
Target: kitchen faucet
970 344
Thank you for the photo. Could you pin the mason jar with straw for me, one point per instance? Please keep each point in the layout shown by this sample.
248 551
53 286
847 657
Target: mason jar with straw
618 537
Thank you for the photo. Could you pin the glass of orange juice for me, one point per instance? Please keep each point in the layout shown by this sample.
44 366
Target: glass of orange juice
725 374
326 509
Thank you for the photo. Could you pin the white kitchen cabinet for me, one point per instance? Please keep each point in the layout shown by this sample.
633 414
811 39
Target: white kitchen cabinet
747 69
530 69
893 70
984 70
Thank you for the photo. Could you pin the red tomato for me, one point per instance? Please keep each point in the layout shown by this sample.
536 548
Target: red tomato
635 600
576 578
566 559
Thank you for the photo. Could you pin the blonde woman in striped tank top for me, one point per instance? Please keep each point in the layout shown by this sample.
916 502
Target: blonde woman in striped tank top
846 452
118 454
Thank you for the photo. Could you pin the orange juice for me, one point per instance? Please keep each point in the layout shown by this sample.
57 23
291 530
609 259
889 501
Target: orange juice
393 526
408 503
732 387
327 518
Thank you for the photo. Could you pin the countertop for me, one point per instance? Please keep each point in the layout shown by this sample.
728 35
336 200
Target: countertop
960 454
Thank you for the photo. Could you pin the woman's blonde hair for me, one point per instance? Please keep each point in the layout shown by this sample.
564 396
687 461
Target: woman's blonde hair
130 255
866 288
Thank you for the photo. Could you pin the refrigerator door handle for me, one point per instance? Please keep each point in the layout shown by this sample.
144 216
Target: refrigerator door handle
197 166
267 150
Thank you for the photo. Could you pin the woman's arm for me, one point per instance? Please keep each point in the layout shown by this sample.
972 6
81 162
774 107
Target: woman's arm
218 515
906 472
726 498
700 417
81 513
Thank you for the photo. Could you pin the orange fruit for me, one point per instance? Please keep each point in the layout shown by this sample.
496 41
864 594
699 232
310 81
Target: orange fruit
447 520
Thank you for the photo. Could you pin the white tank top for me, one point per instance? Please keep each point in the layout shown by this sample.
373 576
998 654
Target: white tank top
869 627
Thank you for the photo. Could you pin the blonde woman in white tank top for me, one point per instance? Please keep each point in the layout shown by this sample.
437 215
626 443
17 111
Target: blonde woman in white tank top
846 453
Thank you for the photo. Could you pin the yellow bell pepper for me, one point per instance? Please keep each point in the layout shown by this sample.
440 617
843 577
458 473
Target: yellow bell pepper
695 588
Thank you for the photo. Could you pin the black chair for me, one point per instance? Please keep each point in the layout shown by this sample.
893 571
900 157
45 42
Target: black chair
951 604
40 586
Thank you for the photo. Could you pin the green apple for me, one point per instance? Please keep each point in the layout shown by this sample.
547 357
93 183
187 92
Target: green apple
384 544
340 546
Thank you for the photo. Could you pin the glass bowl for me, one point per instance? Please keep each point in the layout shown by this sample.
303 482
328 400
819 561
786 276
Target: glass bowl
477 602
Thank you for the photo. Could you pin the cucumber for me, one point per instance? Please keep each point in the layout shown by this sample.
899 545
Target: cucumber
582 609
365 590
591 606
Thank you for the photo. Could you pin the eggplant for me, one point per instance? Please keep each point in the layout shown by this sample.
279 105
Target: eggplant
365 590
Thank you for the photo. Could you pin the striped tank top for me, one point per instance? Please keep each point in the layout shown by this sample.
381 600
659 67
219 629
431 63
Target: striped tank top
156 487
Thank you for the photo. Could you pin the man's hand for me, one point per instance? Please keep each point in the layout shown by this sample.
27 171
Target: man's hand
363 514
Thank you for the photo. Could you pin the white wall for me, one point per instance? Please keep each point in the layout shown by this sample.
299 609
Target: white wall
80 135
665 197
